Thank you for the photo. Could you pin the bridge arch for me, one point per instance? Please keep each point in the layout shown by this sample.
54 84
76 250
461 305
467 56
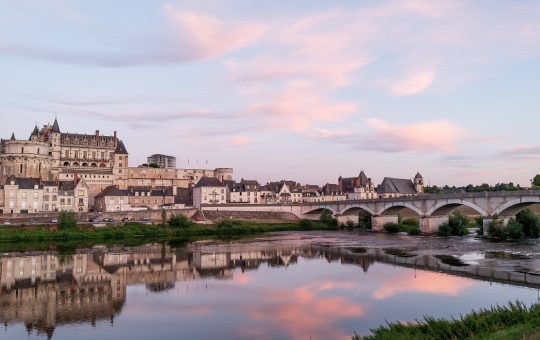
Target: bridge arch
393 208
514 206
363 207
320 209
444 208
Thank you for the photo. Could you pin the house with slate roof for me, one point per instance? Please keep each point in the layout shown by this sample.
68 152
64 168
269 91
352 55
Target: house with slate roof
209 190
398 187
357 188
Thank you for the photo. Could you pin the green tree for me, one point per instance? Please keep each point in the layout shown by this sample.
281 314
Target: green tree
458 223
67 220
536 181
530 223
179 221
327 219
163 217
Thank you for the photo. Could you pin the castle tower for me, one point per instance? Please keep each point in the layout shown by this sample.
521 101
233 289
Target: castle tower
419 183
120 166
54 139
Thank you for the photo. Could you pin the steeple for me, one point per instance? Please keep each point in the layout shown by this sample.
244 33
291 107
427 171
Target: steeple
35 133
55 127
13 136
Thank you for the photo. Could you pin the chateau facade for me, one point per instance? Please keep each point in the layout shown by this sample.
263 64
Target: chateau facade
101 160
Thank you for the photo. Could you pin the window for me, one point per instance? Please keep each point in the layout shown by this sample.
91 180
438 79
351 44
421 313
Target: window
24 195
81 193
35 195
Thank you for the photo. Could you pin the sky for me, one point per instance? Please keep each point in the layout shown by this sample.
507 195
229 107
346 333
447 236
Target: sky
306 90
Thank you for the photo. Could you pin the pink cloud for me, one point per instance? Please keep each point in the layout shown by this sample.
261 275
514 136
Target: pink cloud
412 84
302 312
208 36
425 282
239 141
299 107
439 136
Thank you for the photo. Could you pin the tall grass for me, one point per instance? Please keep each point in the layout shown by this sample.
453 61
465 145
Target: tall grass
477 324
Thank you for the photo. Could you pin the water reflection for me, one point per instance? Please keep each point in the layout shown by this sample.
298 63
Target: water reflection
243 291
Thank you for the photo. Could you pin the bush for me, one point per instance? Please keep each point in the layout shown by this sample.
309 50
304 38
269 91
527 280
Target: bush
513 230
530 223
414 231
458 222
67 220
306 224
364 222
349 225
180 221
391 227
410 223
444 230
495 228
327 219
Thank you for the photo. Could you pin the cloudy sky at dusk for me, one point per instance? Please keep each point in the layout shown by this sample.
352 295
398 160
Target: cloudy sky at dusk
306 90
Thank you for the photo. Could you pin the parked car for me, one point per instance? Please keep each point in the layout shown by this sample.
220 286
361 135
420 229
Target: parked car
54 220
125 219
108 220
146 219
6 223
33 222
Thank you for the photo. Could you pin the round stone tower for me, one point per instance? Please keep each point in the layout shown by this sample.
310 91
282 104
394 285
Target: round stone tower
25 158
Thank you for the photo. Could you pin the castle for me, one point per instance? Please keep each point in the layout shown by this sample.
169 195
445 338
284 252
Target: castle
100 160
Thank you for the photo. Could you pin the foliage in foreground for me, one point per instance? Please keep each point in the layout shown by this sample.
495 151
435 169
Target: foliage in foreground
457 225
408 225
481 324
525 225
138 230
67 220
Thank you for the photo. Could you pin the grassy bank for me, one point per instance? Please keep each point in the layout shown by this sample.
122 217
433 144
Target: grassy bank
138 230
515 321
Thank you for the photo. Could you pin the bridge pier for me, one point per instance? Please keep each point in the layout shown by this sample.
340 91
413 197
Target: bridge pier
431 224
487 221
378 222
343 219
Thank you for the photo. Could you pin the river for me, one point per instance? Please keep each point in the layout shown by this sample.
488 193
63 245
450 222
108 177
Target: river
318 285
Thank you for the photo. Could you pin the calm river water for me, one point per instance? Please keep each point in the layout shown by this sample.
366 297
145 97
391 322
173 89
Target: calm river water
284 286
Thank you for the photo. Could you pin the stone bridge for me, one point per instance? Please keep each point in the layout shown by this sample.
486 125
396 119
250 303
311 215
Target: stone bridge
432 210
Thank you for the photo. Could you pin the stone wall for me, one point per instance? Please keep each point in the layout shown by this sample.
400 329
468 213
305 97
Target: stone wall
250 215
153 215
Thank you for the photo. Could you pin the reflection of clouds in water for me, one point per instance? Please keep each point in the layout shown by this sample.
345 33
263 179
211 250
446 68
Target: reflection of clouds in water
302 312
424 282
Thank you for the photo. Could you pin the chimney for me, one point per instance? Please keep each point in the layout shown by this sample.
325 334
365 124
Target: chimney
97 133
114 134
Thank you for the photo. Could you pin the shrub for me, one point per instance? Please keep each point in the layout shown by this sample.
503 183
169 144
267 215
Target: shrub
391 227
459 223
349 224
530 223
444 230
180 221
414 231
410 223
364 222
306 224
67 220
513 230
327 219
495 228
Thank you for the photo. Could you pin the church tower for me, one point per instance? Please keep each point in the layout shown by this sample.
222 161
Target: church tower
120 166
419 183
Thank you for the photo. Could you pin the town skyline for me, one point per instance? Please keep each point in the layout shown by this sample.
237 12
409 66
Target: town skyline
306 91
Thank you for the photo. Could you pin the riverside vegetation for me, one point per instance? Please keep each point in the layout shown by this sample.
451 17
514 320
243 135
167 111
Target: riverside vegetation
515 321
178 226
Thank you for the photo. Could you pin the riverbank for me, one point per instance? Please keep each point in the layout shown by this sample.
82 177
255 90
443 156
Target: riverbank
516 321
147 231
